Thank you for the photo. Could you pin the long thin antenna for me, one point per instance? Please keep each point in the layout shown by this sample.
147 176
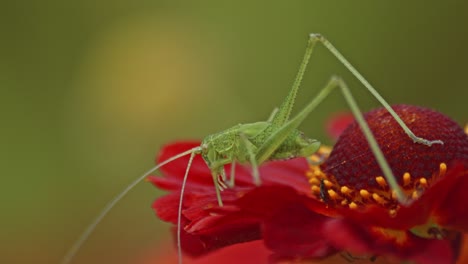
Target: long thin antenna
89 230
179 210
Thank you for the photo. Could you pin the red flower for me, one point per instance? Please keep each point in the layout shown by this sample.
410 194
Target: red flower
253 252
304 211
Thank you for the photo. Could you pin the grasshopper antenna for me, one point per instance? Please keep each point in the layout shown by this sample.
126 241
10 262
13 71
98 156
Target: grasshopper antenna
195 151
89 230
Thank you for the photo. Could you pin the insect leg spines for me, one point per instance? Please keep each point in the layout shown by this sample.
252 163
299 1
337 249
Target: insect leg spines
284 111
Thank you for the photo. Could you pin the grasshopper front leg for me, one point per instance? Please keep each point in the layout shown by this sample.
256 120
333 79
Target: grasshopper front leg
217 170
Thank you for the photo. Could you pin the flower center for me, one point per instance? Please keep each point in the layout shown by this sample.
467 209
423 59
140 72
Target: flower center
326 188
350 176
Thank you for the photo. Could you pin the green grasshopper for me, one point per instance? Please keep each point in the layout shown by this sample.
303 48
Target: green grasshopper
275 139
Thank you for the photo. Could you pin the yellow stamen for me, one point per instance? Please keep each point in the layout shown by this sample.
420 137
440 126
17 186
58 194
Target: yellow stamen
415 194
364 193
381 181
378 198
315 189
345 190
406 179
423 182
353 205
333 195
442 169
325 150
314 181
315 158
327 183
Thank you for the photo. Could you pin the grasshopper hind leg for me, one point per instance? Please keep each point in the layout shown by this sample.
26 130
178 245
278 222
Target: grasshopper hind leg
318 37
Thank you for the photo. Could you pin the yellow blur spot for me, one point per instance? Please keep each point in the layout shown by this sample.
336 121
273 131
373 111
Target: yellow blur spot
423 182
345 190
406 179
381 181
442 169
378 198
333 195
364 193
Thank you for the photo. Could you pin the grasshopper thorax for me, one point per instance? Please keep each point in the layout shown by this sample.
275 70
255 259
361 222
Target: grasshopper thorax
243 142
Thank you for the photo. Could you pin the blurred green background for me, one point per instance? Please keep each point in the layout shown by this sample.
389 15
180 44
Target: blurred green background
90 90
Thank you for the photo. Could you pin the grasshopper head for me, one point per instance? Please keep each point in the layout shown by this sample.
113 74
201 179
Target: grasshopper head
207 152
211 155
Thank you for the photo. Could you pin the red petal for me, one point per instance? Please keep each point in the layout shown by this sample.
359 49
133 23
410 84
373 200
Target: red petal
253 252
338 123
206 226
166 208
246 253
196 245
403 245
418 213
176 169
444 201
289 173
463 259
295 232
451 210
